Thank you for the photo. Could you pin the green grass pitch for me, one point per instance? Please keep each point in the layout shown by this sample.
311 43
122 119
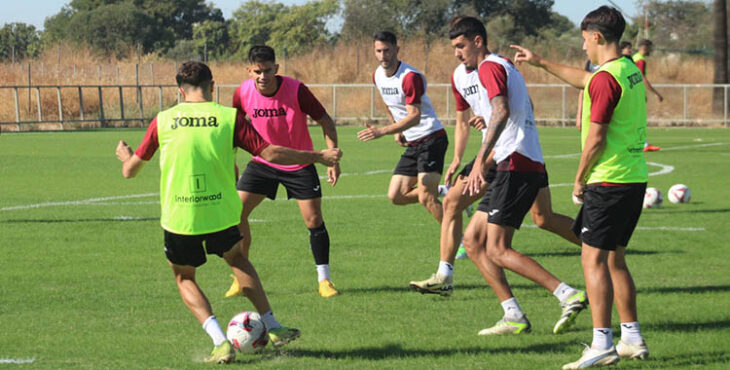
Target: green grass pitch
84 282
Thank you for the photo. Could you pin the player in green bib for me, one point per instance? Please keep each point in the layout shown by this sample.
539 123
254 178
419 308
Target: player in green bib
610 182
200 205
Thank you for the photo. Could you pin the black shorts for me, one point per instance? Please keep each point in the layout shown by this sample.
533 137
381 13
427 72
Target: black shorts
609 215
262 179
511 195
427 156
188 250
467 170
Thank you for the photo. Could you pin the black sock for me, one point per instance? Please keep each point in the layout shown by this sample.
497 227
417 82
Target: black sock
319 241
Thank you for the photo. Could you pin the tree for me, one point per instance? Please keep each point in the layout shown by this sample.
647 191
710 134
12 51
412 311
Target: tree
529 15
362 18
113 29
211 37
303 26
18 41
684 25
252 24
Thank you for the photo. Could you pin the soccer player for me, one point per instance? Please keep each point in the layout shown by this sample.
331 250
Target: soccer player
645 49
414 124
511 143
611 181
278 107
200 207
626 50
468 37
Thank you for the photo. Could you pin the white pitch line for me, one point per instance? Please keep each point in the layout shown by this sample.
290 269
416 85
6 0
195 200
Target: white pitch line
647 228
665 169
17 361
78 202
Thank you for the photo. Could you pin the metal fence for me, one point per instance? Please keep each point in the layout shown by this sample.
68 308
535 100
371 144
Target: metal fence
79 106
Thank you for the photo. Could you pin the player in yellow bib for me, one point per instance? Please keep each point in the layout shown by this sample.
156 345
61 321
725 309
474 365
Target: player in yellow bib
200 205
610 182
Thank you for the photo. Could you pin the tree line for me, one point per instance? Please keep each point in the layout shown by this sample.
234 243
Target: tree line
196 29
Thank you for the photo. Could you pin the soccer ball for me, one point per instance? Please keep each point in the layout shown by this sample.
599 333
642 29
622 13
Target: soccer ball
247 333
653 198
679 193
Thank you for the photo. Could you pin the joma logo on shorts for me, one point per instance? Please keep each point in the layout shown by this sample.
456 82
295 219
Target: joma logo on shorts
634 79
269 112
194 122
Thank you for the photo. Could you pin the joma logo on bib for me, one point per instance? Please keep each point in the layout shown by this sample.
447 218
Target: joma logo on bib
194 122
389 90
269 112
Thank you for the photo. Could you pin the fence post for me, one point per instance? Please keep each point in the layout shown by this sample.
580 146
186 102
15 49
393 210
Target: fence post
724 101
685 103
217 94
136 76
334 102
564 118
121 103
372 102
160 97
141 105
81 103
38 98
17 107
152 72
101 108
60 107
448 106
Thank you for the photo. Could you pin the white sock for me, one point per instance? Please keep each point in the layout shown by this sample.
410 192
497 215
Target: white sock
213 329
512 309
631 333
564 291
323 272
269 320
602 338
445 269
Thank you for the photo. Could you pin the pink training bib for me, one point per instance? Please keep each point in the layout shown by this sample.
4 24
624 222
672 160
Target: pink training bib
278 119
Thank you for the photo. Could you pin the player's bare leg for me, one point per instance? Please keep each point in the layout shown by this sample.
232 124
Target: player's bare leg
247 278
428 184
544 217
190 292
311 210
598 284
250 201
475 241
402 191
632 343
454 205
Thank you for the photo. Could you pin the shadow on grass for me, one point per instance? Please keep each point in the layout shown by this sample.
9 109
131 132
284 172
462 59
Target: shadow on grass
688 289
576 253
459 287
688 326
718 210
395 351
683 360
52 221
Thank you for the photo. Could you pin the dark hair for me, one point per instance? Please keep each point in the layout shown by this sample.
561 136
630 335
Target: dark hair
385 36
606 20
623 45
261 53
645 42
468 27
195 74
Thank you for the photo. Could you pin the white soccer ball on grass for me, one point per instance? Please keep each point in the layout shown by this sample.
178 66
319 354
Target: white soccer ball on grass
679 193
247 333
653 198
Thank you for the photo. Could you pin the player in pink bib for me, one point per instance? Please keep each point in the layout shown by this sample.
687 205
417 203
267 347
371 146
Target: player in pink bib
278 107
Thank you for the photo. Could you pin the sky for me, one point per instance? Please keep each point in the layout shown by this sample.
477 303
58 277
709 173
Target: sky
35 11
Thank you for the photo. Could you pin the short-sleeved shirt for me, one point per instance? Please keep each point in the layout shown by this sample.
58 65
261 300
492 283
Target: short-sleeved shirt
307 101
244 137
605 93
642 66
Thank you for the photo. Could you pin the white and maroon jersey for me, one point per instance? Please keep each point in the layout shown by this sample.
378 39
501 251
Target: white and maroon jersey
399 90
520 134
279 119
465 87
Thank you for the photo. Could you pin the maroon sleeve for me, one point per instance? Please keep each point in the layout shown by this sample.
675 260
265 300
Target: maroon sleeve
246 137
461 103
494 78
309 104
150 143
237 100
374 79
413 88
605 92
642 66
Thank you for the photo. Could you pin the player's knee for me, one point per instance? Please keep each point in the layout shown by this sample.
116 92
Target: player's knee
496 255
313 221
451 206
541 220
471 244
396 198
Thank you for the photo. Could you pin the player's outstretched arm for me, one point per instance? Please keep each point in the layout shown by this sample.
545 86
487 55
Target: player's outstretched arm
412 118
283 155
131 164
574 76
